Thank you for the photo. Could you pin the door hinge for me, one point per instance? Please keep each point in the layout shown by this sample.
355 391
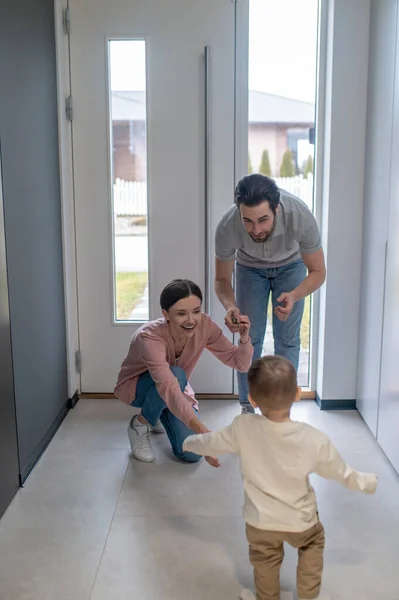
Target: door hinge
67 21
69 108
78 361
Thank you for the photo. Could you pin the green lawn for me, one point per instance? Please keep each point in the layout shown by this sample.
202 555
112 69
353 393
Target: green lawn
305 328
129 291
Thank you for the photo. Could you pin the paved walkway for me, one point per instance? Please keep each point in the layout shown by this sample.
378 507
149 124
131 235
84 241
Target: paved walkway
131 254
303 370
140 313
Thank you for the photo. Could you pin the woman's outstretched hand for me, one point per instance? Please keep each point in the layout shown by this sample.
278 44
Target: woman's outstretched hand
197 427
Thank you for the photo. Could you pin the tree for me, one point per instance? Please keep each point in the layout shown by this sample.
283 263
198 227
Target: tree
265 168
287 168
308 168
250 170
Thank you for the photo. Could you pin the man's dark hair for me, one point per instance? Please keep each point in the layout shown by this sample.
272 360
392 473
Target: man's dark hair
254 189
177 290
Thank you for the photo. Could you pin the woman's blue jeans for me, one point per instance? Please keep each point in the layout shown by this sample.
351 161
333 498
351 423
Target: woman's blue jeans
153 409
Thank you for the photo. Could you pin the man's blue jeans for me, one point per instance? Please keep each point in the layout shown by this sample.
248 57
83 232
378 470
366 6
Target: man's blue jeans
153 409
253 289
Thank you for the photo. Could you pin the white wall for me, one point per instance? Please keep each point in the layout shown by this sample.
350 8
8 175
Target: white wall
388 409
376 202
342 197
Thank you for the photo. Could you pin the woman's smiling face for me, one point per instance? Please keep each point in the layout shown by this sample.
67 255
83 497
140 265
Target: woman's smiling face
184 316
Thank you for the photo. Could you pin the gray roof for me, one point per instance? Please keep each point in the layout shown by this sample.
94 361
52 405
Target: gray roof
128 106
268 108
263 108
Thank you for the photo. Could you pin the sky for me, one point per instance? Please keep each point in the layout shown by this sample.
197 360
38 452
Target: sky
124 54
282 51
282 47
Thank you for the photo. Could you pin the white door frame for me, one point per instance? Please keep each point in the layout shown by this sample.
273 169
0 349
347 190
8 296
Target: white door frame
67 198
241 131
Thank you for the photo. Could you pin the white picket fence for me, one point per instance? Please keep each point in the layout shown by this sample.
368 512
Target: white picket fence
130 197
299 186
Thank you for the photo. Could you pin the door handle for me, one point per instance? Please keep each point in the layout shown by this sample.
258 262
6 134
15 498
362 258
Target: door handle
207 302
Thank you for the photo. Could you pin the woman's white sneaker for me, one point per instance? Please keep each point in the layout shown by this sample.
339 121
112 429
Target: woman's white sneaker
139 436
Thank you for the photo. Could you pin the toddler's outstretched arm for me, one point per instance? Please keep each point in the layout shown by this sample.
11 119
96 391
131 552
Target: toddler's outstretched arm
332 466
214 443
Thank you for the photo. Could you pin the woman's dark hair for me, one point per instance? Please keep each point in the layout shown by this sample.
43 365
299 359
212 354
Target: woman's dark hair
177 290
255 189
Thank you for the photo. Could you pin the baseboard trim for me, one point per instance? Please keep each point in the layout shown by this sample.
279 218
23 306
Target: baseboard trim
34 459
105 396
335 404
308 395
72 402
97 396
305 395
216 396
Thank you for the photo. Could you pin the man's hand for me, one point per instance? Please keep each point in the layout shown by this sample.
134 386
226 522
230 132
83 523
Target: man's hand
287 302
232 319
212 461
245 326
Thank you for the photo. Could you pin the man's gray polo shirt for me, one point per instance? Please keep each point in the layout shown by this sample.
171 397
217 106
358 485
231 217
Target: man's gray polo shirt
296 233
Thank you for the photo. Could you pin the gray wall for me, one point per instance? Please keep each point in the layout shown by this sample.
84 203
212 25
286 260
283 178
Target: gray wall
28 130
9 467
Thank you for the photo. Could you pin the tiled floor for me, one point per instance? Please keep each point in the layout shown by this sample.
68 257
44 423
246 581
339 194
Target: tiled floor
90 524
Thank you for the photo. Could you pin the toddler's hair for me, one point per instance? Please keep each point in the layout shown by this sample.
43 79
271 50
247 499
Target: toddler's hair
272 383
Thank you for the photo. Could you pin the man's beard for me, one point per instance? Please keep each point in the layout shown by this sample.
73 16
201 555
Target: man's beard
261 240
264 239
